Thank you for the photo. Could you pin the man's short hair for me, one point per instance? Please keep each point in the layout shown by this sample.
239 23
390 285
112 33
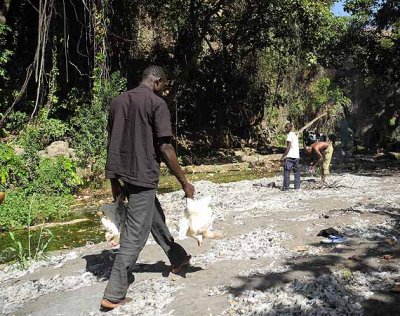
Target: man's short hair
332 138
288 124
154 72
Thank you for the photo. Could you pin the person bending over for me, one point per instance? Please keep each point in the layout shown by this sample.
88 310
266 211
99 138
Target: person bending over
322 151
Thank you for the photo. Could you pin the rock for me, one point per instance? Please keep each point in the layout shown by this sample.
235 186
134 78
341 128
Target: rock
18 150
58 148
257 160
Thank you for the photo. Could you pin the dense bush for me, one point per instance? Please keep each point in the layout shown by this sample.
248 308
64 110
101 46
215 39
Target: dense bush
43 186
20 210
41 132
55 176
13 169
89 123
90 137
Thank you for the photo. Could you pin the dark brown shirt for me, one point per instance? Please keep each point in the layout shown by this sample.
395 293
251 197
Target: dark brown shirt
136 119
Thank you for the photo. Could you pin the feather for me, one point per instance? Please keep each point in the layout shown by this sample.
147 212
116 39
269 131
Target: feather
198 220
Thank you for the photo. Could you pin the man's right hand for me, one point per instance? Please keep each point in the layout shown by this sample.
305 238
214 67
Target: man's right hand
189 190
171 160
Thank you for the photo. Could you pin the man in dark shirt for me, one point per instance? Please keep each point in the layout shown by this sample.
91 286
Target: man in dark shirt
139 135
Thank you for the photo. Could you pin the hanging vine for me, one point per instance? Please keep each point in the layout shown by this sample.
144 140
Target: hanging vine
101 70
45 10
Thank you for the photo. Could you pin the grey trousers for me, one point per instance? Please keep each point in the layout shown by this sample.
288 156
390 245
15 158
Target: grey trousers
144 215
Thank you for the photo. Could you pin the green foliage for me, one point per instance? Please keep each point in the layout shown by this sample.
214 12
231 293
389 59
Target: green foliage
236 66
16 121
5 53
13 169
323 93
396 135
55 176
89 123
104 91
280 140
42 176
18 251
319 90
34 251
366 61
52 98
90 135
22 210
42 131
52 179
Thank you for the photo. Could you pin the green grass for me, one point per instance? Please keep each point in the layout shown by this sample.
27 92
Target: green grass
168 183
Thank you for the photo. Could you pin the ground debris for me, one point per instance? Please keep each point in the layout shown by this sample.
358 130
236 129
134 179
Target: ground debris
333 294
275 230
260 243
150 298
16 295
12 271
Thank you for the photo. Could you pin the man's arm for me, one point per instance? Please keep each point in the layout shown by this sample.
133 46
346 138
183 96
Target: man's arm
319 156
171 160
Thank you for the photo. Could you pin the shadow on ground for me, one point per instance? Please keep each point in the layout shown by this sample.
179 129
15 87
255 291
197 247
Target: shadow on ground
100 265
316 280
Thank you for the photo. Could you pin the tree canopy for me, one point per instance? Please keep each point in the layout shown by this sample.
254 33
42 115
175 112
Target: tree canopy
238 69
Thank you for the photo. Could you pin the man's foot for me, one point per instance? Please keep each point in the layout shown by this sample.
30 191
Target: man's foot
107 305
178 268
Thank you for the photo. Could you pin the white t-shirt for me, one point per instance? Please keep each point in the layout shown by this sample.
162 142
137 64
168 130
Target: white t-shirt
294 145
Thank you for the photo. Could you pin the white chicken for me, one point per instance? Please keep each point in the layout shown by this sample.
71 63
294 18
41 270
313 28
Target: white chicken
112 216
198 220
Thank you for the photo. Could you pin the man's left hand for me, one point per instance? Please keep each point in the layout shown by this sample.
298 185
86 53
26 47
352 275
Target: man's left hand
116 188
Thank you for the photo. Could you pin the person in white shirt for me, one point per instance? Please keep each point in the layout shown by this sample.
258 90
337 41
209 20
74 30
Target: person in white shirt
290 158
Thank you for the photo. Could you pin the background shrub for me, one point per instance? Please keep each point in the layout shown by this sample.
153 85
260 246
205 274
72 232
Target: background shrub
18 210
55 176
42 132
13 170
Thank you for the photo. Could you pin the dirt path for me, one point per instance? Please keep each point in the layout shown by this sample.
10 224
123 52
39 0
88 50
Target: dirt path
270 261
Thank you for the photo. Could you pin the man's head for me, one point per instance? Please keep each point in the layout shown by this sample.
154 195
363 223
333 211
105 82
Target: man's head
332 138
288 127
308 150
155 78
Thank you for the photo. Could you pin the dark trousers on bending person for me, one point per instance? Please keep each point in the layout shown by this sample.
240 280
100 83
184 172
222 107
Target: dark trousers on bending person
291 163
144 214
